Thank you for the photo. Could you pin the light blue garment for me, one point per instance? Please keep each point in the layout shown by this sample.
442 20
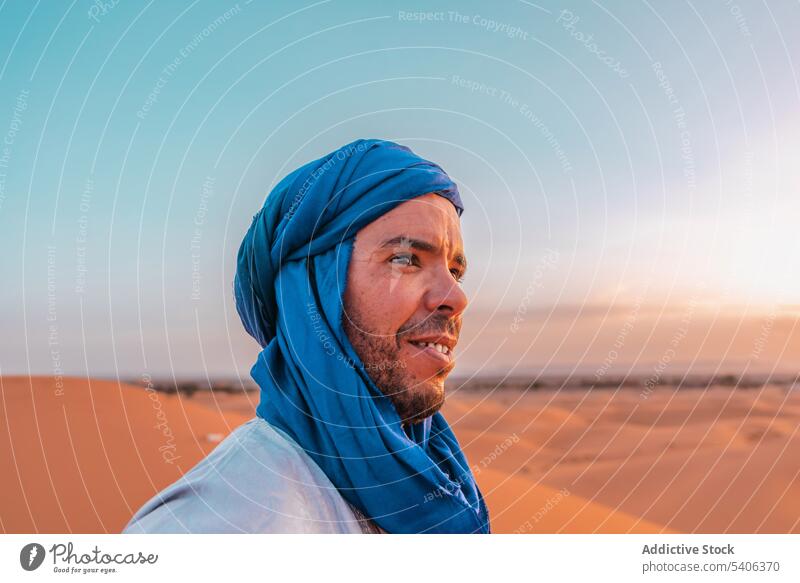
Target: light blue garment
257 480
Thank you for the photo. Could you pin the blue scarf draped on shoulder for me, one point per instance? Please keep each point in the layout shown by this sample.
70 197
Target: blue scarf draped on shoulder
291 274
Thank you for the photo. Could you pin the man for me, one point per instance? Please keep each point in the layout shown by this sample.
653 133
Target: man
349 278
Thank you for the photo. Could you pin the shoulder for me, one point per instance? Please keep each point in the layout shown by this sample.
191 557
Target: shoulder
256 480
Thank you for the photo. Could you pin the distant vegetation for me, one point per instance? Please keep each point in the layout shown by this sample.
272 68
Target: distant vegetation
190 387
521 383
489 383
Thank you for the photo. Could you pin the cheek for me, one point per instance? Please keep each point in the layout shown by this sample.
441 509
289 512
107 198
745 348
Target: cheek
384 303
401 299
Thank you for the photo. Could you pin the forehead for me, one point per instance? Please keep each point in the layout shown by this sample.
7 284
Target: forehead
429 216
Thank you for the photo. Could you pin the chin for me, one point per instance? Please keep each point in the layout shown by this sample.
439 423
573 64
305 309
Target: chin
423 401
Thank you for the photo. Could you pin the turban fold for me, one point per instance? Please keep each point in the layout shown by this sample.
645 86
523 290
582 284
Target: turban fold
290 277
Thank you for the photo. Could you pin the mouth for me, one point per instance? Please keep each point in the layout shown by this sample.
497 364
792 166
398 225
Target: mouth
440 349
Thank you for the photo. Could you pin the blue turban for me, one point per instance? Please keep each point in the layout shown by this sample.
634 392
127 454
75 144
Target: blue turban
290 277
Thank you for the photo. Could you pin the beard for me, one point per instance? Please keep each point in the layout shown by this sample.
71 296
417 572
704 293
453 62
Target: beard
413 399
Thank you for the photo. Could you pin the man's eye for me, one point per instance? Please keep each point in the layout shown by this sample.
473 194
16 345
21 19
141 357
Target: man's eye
459 277
403 260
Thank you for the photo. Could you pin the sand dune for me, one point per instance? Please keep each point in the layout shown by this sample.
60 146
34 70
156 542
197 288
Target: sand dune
518 505
717 460
85 460
572 461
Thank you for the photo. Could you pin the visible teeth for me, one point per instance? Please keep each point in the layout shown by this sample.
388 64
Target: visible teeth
438 347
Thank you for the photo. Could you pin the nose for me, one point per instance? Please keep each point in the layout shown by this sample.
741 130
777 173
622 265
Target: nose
445 295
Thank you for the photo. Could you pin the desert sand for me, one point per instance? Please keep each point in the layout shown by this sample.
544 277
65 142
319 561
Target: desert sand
705 461
84 457
85 460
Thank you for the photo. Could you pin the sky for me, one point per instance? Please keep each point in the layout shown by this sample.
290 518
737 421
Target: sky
625 167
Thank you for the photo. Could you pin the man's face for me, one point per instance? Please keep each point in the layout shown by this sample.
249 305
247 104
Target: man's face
403 303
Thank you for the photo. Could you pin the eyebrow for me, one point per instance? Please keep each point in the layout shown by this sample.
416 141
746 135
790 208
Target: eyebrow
420 245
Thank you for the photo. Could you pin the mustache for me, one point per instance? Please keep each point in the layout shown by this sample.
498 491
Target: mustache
433 324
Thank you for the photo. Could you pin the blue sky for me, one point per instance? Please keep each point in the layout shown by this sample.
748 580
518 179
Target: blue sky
607 155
